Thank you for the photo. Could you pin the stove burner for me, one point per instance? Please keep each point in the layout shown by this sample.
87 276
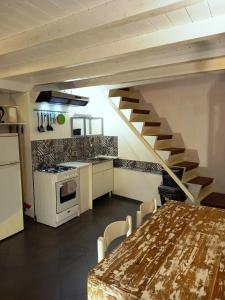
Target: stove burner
56 169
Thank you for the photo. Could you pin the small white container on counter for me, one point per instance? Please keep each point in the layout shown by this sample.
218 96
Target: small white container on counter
10 114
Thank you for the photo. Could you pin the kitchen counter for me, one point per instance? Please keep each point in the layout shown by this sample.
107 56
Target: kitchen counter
76 164
86 162
97 160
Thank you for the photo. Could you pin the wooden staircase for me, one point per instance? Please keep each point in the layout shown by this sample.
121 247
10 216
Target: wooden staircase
161 145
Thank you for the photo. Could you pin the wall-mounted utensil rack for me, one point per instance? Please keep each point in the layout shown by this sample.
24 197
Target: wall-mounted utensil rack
50 111
46 118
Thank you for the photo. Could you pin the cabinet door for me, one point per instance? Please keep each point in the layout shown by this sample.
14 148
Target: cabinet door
97 185
9 149
78 126
85 189
102 183
107 181
11 210
107 165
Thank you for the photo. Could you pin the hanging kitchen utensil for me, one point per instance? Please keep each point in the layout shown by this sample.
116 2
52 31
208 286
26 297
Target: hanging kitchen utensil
61 119
38 118
48 123
51 120
45 123
2 112
42 127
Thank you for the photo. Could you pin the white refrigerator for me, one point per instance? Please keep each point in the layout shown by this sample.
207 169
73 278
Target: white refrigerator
11 207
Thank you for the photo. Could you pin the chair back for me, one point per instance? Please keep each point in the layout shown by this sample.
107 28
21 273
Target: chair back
113 231
146 208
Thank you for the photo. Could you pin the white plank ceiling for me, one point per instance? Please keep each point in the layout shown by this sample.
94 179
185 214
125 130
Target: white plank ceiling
83 41
21 15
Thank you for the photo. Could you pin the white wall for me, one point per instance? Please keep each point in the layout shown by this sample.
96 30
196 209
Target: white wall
5 99
195 108
129 146
132 184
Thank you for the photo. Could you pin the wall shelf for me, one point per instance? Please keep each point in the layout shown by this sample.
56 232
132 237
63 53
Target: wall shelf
19 123
50 111
14 106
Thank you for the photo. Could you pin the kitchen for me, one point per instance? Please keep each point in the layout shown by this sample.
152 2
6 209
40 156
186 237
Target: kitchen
82 163
109 109
66 174
50 148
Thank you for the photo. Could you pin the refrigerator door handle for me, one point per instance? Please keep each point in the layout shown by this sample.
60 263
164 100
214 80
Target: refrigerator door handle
9 164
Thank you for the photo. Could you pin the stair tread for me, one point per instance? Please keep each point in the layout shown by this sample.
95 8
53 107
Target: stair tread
214 200
141 111
130 99
160 136
174 150
154 124
164 136
123 89
188 165
201 180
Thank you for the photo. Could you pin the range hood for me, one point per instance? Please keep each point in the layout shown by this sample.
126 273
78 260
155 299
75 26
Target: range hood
54 97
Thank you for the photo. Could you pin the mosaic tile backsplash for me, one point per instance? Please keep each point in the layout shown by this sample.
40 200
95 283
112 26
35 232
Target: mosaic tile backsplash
51 152
141 166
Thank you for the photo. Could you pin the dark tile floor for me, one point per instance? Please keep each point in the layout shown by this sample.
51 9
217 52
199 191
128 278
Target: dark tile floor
43 263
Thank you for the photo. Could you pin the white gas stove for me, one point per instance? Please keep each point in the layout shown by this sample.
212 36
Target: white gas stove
56 195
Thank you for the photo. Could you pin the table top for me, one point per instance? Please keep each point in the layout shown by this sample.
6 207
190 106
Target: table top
179 253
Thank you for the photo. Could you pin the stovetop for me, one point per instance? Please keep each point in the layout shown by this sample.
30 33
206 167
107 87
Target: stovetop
56 169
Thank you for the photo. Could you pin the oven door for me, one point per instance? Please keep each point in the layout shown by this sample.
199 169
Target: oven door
67 194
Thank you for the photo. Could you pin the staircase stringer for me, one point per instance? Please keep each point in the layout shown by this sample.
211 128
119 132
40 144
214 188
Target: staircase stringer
153 152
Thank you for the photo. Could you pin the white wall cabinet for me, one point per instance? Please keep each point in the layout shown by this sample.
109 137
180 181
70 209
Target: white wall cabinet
102 179
86 125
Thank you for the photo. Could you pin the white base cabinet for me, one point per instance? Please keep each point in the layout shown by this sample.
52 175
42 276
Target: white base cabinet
102 179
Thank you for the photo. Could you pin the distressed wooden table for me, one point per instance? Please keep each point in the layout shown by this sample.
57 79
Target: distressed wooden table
177 254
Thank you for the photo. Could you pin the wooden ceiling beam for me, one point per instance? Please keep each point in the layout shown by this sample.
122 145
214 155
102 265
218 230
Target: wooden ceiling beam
134 83
189 68
15 85
187 33
108 14
131 63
